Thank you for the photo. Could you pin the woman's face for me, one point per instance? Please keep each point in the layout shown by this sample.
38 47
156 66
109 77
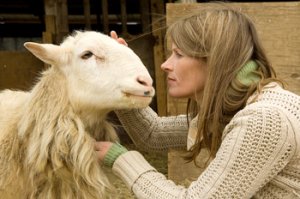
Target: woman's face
185 75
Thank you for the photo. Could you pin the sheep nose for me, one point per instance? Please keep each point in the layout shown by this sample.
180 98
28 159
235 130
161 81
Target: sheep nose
145 81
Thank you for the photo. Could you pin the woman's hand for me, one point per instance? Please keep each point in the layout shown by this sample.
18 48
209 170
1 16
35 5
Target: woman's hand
108 152
102 149
114 35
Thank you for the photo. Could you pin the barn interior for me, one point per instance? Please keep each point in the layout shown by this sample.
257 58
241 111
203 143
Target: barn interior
142 23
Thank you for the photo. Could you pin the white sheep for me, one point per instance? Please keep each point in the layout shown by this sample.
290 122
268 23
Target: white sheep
47 135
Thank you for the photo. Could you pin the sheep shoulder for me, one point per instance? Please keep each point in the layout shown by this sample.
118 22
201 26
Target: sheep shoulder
11 107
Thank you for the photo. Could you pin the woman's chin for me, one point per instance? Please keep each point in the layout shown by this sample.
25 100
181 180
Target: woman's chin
175 93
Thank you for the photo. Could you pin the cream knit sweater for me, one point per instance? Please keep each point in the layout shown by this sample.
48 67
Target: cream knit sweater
259 156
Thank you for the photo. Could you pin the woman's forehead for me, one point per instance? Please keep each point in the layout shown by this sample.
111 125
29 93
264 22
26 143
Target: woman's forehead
173 45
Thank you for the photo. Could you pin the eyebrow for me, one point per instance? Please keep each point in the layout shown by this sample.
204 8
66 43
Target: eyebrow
177 50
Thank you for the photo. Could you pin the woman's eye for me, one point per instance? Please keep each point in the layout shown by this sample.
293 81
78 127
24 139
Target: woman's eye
177 54
87 55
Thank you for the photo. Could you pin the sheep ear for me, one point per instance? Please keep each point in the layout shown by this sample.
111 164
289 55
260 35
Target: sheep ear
48 53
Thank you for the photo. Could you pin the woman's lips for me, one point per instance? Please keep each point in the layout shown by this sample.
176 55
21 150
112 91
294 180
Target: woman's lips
171 80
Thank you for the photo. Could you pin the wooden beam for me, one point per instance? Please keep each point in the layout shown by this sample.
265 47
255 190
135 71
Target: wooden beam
124 17
50 24
145 15
18 70
87 14
62 24
56 11
72 19
105 16
278 25
158 31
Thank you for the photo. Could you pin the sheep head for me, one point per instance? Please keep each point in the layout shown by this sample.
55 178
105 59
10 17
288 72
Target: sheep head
101 73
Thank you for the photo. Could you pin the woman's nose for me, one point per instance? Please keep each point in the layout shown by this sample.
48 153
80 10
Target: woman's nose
166 66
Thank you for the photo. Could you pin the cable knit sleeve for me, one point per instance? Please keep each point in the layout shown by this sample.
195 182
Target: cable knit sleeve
150 132
257 144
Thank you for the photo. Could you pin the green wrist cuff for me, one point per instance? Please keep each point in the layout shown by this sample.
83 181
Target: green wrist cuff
113 153
247 75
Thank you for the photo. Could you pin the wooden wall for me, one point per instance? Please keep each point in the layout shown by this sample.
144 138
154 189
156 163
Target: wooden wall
18 70
278 25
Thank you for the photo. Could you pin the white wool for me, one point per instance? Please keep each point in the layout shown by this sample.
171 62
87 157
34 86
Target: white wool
47 134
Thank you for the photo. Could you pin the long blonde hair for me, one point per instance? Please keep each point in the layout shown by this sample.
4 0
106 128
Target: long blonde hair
226 40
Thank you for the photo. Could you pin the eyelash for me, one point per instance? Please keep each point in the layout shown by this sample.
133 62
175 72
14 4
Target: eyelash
87 55
177 54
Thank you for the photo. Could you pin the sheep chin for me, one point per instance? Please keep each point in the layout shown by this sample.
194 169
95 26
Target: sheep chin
138 101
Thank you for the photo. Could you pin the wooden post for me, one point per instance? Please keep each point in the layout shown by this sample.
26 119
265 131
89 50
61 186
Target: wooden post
56 20
87 14
62 23
278 25
105 16
157 10
124 17
49 34
18 70
145 15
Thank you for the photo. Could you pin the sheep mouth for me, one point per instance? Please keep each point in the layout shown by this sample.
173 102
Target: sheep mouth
145 95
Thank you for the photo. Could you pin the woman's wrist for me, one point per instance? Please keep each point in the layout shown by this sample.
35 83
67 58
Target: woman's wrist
113 153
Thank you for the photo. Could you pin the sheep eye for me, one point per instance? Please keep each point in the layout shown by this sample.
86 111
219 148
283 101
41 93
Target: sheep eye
87 55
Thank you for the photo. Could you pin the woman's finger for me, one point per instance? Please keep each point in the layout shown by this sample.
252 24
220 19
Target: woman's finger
114 35
97 146
122 41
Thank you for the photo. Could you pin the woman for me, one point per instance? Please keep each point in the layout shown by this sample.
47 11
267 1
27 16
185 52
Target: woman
237 110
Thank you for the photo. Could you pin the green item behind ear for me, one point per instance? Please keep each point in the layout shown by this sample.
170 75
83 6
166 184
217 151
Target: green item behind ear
246 75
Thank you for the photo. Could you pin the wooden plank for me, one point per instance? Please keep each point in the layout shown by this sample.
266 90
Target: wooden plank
47 37
62 24
56 19
50 21
124 17
157 10
49 34
87 14
105 16
145 15
278 25
18 70
50 24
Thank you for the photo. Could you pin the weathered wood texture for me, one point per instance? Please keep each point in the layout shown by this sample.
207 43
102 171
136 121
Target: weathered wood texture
18 70
87 14
158 31
278 25
56 20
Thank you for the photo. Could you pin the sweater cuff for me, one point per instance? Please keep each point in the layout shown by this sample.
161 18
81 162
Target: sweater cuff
113 153
130 166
